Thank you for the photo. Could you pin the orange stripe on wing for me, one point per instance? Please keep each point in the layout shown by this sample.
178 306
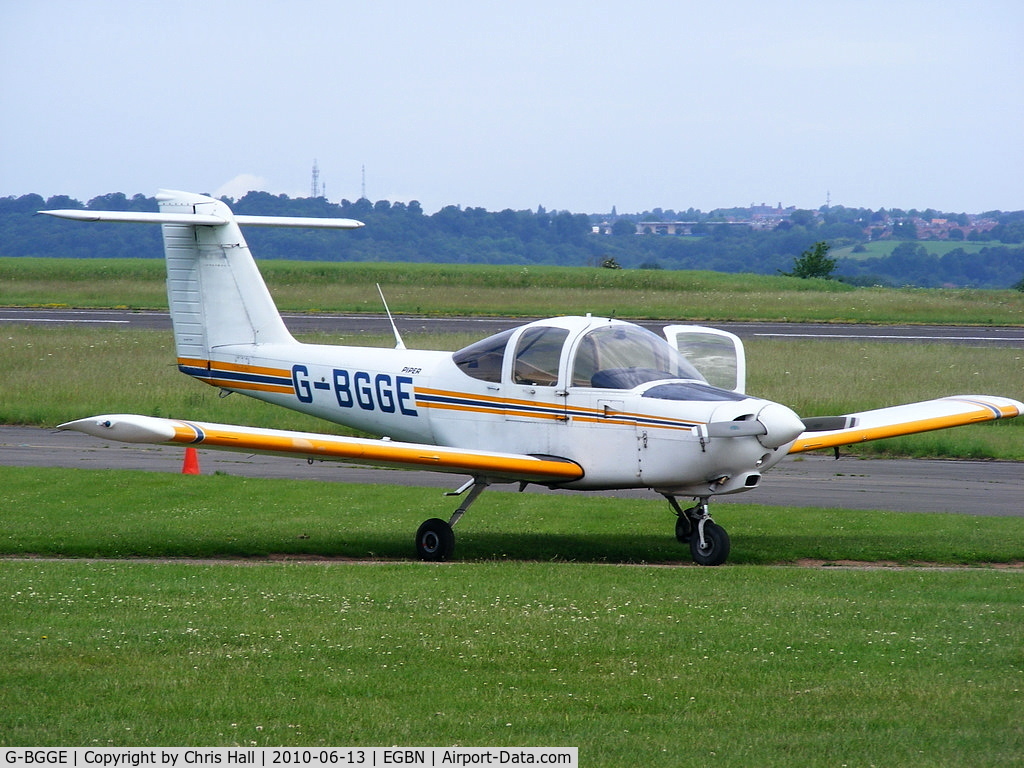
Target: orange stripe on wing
855 435
378 452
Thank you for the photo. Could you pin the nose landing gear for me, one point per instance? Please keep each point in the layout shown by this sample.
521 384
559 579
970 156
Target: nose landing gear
709 542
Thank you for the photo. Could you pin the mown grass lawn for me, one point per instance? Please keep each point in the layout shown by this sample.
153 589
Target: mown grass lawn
549 629
446 289
740 665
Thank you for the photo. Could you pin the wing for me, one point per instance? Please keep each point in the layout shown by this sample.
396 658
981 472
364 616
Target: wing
308 445
955 411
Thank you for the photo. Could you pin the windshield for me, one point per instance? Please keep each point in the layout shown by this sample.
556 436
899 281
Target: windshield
625 356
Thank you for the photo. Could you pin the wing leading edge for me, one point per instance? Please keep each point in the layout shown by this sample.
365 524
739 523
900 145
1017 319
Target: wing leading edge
954 411
131 428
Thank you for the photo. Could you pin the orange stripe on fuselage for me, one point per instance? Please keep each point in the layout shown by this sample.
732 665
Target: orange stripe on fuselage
234 384
504 406
212 367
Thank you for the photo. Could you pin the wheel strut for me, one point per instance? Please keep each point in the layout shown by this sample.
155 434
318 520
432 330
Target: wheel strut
435 540
711 544
476 487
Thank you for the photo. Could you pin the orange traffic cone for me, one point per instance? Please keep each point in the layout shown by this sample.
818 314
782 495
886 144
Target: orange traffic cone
191 465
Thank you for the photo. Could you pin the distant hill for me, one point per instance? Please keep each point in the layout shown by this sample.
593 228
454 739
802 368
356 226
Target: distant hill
757 239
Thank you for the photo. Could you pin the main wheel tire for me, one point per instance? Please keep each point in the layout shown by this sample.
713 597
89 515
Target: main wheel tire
716 545
435 540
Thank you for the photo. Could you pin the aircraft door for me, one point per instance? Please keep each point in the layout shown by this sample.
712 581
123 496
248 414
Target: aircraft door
718 355
534 402
600 423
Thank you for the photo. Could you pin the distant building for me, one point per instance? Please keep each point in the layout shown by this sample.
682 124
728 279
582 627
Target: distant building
676 228
665 227
765 217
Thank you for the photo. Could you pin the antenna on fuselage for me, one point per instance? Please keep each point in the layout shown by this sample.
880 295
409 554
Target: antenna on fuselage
399 344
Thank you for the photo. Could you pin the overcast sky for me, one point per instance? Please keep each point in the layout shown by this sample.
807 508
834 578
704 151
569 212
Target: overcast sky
571 105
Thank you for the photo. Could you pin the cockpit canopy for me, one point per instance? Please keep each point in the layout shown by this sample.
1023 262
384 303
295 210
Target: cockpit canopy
626 356
601 354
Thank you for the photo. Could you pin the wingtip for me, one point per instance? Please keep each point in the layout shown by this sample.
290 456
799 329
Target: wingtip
125 428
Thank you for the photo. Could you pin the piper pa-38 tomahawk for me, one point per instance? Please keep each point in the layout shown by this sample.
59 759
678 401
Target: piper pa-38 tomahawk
582 403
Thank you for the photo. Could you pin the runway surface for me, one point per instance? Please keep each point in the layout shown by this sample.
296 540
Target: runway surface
346 324
994 488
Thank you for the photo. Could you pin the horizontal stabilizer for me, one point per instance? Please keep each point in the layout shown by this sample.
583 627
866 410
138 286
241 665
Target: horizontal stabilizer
955 411
493 465
203 219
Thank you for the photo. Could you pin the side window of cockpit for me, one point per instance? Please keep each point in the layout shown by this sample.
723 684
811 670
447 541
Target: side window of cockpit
537 356
585 365
483 359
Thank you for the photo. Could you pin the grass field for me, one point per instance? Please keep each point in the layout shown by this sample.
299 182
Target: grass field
519 291
542 633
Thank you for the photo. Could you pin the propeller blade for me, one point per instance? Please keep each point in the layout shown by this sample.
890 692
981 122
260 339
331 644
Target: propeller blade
742 428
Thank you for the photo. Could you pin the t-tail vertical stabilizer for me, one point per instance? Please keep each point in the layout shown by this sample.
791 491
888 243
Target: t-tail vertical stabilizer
216 294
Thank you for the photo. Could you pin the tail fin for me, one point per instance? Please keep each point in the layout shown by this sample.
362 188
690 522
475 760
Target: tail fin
216 294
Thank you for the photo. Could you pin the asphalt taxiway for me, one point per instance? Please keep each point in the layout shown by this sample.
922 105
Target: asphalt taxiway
376 324
993 488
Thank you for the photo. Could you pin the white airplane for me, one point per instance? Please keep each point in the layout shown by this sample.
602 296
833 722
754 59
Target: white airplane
583 403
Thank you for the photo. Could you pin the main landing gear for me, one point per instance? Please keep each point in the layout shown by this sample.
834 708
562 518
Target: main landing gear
709 542
435 540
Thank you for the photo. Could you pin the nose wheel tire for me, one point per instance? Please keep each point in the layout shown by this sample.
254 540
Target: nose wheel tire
435 540
715 547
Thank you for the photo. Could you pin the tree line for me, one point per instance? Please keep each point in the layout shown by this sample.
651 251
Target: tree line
469 235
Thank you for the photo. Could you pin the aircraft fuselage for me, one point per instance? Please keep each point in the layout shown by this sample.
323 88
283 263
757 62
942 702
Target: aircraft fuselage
622 437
